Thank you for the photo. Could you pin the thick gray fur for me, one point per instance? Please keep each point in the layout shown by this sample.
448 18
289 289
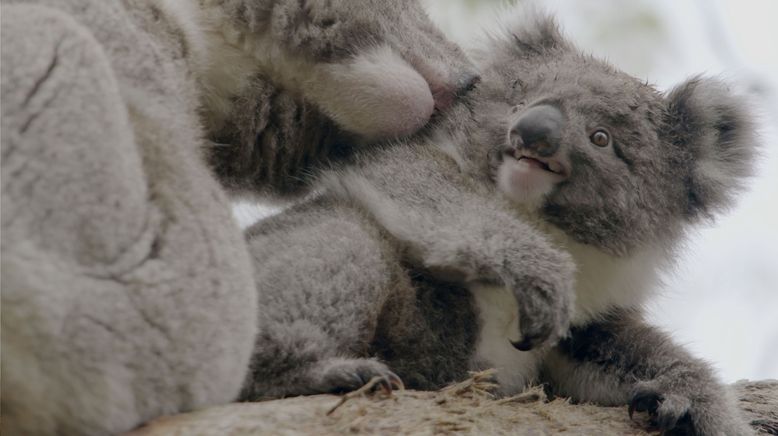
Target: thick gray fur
377 266
127 290
125 283
280 125
642 367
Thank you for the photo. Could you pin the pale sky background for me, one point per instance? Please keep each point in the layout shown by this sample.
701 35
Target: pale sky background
722 300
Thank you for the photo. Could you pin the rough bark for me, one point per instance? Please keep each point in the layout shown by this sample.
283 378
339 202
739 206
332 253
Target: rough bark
464 408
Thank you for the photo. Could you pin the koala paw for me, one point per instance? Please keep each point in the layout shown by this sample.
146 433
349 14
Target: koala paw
669 414
545 301
344 375
677 414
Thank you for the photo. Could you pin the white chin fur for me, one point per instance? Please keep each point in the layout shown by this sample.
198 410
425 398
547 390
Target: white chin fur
523 183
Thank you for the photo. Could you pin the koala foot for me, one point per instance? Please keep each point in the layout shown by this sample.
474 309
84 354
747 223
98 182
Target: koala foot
339 375
679 415
669 414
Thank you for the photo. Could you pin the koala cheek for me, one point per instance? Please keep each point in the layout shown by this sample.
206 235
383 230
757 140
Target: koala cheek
376 95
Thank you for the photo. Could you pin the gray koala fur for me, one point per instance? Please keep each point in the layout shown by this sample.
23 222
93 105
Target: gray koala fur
346 78
119 254
411 262
127 289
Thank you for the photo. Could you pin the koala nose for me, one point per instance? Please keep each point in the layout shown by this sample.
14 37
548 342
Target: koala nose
539 130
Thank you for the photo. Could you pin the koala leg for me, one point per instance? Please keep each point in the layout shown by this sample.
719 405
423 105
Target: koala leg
622 360
324 276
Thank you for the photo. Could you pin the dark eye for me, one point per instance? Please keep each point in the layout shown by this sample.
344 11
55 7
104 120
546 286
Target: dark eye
600 138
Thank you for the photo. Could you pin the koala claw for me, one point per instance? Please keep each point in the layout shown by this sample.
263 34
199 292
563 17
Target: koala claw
524 344
544 313
545 295
391 382
668 413
644 402
345 375
529 341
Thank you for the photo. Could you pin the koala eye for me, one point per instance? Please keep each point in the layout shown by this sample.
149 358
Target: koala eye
600 138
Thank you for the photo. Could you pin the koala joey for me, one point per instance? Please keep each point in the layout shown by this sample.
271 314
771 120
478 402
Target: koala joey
411 265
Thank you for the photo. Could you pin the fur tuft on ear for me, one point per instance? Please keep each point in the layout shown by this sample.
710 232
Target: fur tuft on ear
529 32
536 33
714 131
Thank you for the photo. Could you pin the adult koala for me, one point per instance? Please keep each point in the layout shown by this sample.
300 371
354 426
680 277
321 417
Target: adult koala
348 72
412 263
127 291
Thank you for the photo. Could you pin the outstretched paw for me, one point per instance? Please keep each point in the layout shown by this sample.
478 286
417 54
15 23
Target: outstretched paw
339 375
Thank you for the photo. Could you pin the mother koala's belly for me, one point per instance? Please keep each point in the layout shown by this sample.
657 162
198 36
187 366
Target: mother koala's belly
498 316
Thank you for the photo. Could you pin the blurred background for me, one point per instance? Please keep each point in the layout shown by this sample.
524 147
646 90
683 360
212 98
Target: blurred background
722 299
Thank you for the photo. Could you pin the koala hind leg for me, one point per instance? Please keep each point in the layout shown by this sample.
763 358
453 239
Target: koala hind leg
324 276
622 360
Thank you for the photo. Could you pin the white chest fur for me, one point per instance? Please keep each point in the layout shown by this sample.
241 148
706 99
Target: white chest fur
499 324
604 282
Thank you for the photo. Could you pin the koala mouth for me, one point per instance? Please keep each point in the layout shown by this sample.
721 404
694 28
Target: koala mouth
534 161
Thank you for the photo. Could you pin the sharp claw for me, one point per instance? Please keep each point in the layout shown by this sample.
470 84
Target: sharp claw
386 385
524 344
395 381
390 382
644 402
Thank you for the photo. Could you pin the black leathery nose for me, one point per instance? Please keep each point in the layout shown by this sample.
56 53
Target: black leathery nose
539 130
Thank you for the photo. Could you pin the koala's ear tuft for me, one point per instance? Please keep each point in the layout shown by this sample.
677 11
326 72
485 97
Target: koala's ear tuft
713 130
537 33
526 34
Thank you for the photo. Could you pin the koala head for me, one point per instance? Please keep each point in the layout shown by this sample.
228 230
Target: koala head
602 156
379 69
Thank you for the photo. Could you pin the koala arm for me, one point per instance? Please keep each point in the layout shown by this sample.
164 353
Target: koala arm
460 230
289 85
272 142
479 242
620 359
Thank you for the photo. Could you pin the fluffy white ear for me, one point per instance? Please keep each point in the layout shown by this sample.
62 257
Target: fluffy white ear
713 130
